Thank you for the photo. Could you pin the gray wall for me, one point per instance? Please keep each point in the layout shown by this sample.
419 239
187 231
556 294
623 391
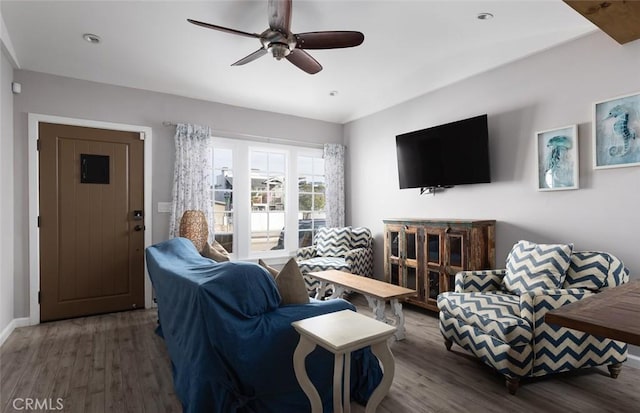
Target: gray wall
60 96
6 189
547 90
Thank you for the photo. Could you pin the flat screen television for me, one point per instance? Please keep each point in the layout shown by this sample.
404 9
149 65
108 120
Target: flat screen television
442 156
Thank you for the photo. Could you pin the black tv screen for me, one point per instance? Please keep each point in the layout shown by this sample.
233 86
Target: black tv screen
455 153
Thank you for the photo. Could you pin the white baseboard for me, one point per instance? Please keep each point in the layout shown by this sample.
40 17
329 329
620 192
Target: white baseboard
633 361
15 323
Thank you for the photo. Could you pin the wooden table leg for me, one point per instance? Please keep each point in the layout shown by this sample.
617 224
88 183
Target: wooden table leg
382 351
337 382
347 383
303 349
377 306
338 291
320 290
400 333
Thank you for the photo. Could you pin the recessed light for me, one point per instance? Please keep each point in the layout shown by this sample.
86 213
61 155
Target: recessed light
333 93
91 38
484 16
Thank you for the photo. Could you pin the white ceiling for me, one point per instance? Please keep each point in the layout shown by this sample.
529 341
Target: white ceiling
410 48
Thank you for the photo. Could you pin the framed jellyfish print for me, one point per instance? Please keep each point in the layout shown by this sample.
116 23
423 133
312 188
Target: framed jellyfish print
557 158
616 132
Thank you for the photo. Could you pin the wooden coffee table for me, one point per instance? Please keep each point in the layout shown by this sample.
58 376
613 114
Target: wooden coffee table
341 333
612 313
376 292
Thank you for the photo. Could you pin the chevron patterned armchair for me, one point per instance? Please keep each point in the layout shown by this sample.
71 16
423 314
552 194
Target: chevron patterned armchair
348 249
498 315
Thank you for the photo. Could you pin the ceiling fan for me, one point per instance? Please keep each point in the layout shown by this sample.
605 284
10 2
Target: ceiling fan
282 43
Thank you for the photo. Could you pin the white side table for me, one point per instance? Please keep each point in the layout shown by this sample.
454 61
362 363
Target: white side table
341 333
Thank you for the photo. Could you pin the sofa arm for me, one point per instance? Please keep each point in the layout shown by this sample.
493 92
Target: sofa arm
479 281
305 253
360 261
535 304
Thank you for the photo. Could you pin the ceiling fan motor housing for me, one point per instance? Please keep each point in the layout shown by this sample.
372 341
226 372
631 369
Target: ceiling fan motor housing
277 43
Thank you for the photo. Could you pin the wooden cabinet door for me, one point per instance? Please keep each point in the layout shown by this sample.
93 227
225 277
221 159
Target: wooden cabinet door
434 253
456 257
403 256
412 264
392 254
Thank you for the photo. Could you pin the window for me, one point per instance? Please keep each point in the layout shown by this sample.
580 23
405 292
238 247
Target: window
269 199
311 198
268 188
223 197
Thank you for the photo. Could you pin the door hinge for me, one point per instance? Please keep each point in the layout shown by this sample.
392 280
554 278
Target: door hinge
38 221
37 144
39 296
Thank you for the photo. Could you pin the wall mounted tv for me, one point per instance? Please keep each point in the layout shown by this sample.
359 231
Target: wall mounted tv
442 156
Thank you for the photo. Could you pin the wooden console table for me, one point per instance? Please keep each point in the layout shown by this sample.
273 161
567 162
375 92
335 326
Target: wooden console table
613 313
376 292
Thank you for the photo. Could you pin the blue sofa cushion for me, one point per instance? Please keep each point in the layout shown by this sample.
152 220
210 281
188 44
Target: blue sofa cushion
231 278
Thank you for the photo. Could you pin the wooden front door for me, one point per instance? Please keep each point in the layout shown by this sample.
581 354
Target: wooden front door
91 188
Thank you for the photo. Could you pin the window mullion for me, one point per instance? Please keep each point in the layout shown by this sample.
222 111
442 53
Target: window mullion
291 233
242 206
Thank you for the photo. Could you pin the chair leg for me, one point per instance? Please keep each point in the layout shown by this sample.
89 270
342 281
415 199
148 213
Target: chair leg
614 370
512 384
448 343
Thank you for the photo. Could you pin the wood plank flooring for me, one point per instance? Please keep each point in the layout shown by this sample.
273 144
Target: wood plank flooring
115 363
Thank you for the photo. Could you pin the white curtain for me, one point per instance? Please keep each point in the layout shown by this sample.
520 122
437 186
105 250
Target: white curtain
334 177
192 175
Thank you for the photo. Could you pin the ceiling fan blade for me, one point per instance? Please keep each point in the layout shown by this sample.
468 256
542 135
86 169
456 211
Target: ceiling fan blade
253 56
328 40
304 61
280 15
223 29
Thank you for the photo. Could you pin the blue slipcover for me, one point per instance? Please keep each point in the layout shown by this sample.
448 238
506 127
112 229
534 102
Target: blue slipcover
230 342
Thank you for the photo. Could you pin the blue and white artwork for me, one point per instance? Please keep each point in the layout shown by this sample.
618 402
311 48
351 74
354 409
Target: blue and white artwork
616 132
558 158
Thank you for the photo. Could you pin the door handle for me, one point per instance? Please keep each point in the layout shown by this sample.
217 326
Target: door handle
138 228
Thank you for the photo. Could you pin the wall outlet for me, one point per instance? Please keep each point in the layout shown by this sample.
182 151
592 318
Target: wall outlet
164 207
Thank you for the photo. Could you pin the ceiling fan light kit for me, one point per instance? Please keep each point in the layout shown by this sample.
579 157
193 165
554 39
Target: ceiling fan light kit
283 44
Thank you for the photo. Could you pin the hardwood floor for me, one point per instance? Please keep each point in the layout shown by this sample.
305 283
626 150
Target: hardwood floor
115 363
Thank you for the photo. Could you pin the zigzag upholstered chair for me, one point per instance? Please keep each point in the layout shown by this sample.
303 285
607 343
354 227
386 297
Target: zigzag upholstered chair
498 315
346 249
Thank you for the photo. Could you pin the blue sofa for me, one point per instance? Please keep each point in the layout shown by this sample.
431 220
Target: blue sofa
230 341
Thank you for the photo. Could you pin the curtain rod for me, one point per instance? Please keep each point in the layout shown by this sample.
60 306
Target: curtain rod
249 137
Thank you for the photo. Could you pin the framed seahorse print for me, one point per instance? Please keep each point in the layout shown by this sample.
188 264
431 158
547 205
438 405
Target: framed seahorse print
616 132
557 151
